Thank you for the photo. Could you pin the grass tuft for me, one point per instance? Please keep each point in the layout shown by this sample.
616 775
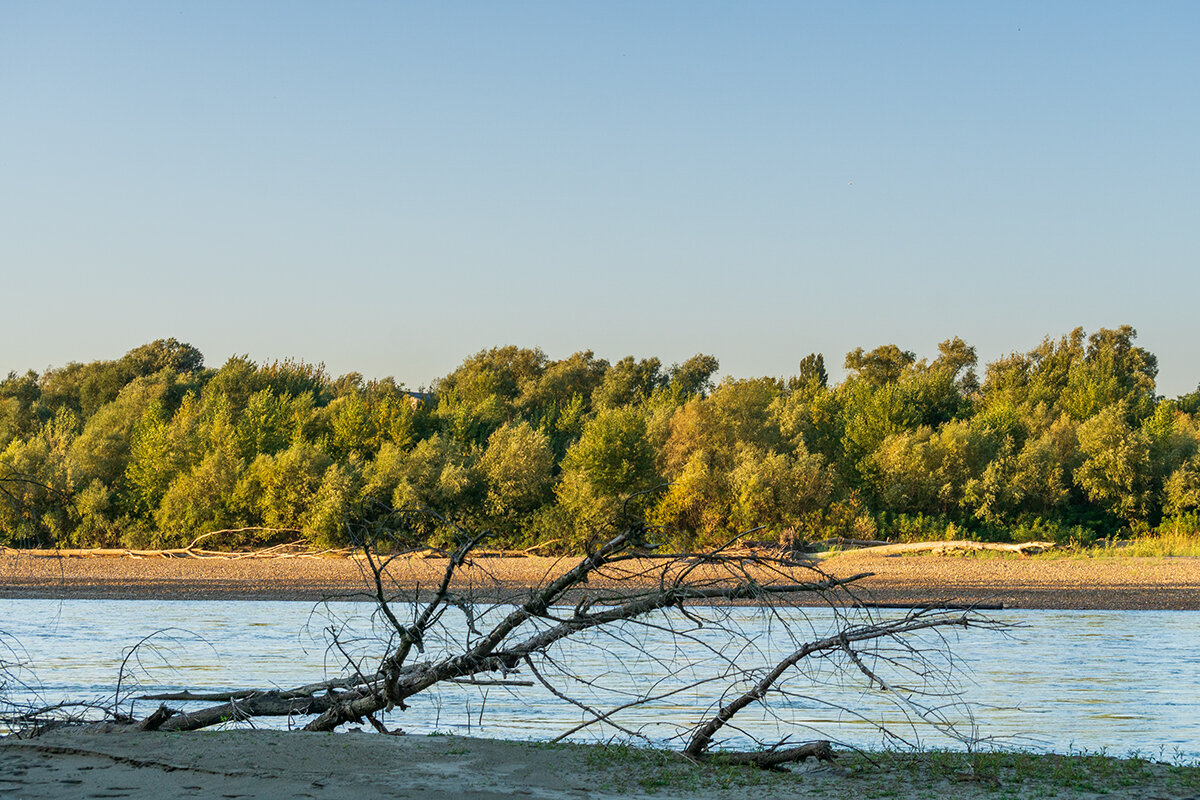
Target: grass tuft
906 775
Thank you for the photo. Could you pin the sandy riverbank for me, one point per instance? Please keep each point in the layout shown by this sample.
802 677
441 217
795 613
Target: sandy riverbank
352 766
1071 583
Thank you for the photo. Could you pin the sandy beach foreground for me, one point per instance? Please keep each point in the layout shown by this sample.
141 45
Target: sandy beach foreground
352 766
1064 583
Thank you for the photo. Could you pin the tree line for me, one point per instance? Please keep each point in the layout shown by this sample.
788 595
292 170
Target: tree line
1068 441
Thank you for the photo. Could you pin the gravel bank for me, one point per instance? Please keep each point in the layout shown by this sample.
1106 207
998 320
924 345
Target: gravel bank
1111 583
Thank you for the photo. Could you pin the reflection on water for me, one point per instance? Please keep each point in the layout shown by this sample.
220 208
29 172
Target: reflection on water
1064 680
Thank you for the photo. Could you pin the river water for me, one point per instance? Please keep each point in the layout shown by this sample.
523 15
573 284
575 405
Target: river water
1114 681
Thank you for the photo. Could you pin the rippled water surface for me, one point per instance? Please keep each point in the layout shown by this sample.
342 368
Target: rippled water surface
1119 681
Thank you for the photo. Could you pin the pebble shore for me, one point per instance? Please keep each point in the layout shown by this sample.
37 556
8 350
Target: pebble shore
1063 583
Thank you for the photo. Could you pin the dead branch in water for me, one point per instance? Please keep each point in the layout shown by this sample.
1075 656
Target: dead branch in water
455 633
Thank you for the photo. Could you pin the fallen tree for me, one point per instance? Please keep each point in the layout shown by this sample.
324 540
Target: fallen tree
944 547
464 631
294 548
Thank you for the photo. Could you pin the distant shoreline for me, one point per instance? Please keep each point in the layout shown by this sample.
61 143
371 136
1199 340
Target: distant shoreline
1115 583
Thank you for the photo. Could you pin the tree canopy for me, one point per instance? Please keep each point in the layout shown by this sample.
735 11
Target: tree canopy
1067 440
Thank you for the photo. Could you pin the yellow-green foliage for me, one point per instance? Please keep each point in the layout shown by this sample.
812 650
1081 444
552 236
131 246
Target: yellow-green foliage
1065 442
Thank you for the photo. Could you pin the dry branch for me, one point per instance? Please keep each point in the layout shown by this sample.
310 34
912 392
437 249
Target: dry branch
776 757
703 736
156 720
942 548
297 548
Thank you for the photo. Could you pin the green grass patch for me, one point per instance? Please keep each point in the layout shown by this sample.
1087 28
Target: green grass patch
1033 774
1164 543
634 770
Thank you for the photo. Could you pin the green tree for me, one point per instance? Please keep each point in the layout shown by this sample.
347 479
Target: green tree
696 507
1174 441
102 452
1039 376
737 412
168 354
693 378
871 414
1030 478
153 463
1182 489
353 427
929 471
883 365
324 522
811 373
629 383
279 490
1188 403
518 464
443 473
560 382
383 474
812 419
20 415
87 387
202 499
1111 371
777 490
36 484
272 422
397 416
484 392
236 381
293 378
611 461
559 401
958 359
1116 469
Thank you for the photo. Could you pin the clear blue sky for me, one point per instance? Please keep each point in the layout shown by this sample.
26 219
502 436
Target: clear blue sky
389 187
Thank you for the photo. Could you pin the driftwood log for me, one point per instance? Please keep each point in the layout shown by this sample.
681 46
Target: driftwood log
298 548
942 548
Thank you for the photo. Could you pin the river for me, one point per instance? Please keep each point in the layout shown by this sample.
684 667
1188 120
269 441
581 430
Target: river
1067 681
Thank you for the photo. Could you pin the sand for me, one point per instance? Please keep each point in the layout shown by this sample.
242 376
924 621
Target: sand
1014 582
362 766
268 764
